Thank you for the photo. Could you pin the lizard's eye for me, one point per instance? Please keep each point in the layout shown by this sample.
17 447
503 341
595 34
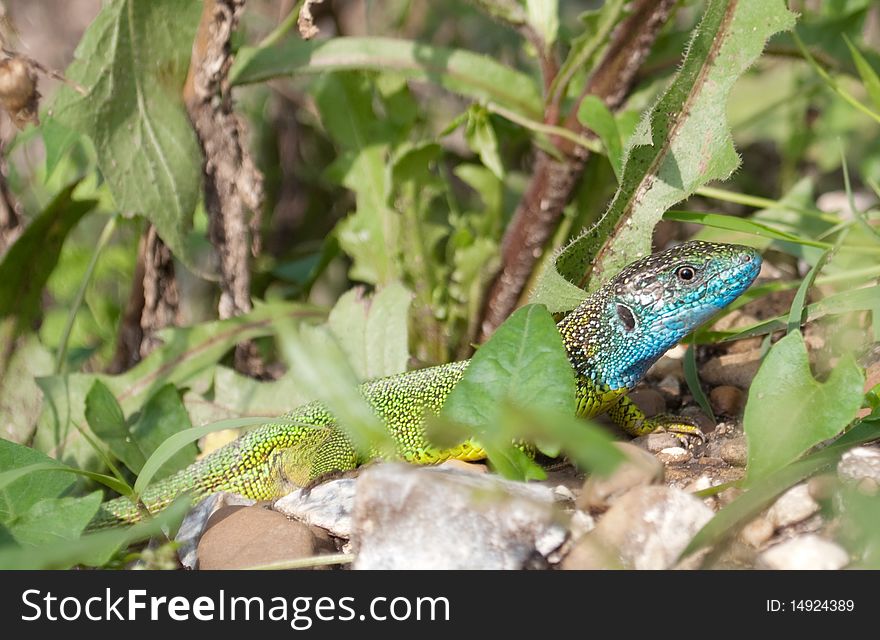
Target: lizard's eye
685 274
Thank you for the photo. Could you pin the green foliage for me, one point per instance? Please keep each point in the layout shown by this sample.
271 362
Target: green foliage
29 262
682 143
788 411
133 62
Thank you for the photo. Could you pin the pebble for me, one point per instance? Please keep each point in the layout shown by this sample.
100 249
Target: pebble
328 505
657 441
240 537
639 468
804 552
861 466
651 402
672 455
793 506
649 527
727 400
670 387
735 452
696 415
757 532
193 525
461 465
409 517
734 369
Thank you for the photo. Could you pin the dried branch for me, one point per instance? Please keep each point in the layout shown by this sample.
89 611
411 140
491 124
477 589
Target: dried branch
553 181
233 185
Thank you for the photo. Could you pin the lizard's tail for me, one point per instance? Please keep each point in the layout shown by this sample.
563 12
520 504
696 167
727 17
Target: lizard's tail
262 464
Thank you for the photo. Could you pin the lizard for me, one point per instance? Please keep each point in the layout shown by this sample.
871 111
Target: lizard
611 339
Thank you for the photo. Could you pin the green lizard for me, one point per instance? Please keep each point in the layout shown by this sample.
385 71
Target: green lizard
612 339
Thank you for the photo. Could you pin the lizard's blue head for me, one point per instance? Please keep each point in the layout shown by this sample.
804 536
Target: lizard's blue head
621 330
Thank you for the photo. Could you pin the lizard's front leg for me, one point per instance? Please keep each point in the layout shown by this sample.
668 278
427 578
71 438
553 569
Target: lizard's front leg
633 420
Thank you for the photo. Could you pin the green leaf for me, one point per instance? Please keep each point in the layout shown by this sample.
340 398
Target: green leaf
594 115
867 73
480 136
188 353
24 492
681 143
472 75
761 493
692 377
56 520
133 61
788 411
106 420
543 15
372 330
27 265
20 397
92 549
370 234
744 225
524 362
161 417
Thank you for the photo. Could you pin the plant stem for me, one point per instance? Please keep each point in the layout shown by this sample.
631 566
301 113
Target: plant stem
103 239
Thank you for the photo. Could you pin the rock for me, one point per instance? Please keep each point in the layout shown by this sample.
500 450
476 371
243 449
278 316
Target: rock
861 466
727 400
793 506
328 505
656 442
461 465
670 387
590 554
735 369
651 402
670 364
193 524
757 532
431 518
739 320
822 487
695 414
581 523
672 455
649 527
239 537
735 452
639 469
804 552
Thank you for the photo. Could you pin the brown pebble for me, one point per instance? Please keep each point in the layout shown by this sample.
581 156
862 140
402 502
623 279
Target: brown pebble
239 537
672 455
650 401
461 465
727 400
735 452
695 414
736 369
657 441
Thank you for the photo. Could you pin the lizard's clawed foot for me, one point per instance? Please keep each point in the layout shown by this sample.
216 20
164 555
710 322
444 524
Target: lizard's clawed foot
686 431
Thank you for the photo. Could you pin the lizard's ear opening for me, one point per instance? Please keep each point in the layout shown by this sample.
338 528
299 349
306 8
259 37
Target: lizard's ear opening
626 317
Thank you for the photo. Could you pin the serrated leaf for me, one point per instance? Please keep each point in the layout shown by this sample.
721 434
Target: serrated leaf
472 75
372 330
681 143
19 496
133 61
55 520
788 411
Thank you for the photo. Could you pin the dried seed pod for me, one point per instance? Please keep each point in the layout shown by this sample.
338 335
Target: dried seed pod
18 91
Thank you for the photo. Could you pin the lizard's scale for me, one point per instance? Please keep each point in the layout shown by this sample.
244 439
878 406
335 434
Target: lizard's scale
612 339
